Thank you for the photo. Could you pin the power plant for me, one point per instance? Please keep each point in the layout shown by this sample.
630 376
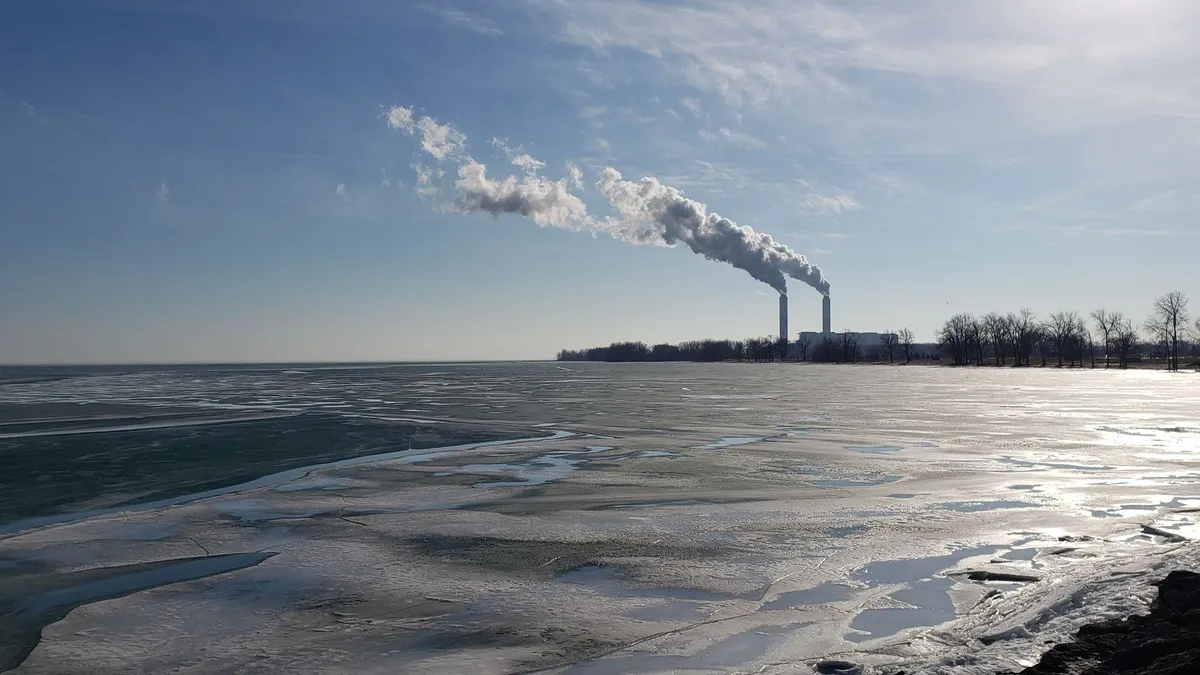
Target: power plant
825 315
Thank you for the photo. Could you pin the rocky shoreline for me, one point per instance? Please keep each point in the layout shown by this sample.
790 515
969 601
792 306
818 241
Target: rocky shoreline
1165 642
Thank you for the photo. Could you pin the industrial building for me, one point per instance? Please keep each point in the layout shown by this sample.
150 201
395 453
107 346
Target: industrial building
866 339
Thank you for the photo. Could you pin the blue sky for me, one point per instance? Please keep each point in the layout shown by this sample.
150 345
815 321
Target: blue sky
217 181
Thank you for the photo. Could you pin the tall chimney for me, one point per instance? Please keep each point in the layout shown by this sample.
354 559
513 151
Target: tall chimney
825 315
783 330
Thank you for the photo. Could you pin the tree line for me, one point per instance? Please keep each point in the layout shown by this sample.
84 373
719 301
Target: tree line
1067 338
1018 338
751 349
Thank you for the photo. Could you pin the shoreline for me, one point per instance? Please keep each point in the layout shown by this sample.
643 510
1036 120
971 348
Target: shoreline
1164 641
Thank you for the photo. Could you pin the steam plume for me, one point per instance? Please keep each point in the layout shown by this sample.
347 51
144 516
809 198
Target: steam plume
677 219
544 201
649 212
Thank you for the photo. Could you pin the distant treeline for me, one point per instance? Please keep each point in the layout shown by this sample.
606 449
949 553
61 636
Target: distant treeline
750 349
845 347
1018 338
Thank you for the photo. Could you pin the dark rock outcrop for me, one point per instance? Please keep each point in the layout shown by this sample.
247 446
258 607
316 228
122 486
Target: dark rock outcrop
1164 642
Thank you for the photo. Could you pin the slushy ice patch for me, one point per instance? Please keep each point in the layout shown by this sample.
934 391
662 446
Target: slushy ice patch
29 603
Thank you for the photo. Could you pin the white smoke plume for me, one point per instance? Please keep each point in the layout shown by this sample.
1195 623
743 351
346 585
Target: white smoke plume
439 140
425 177
649 212
517 157
545 201
667 213
575 176
542 200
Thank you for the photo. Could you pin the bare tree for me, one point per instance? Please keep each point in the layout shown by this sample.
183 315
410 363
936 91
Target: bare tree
1168 321
889 341
1124 338
1086 344
996 331
849 346
1106 323
906 341
828 350
1025 333
959 338
803 342
1064 331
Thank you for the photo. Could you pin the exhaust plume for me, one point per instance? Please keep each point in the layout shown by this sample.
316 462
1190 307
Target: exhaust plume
546 202
542 200
649 212
676 219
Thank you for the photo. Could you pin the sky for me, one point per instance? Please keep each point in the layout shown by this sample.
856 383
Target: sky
209 180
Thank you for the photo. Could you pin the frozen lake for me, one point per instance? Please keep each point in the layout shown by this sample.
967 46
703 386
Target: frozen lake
582 518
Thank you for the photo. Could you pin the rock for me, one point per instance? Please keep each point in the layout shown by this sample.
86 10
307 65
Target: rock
983 575
1164 642
1158 532
834 667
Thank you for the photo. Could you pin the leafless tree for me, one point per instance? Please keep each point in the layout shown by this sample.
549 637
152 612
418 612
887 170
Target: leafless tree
889 341
1025 334
849 346
1168 321
1160 336
959 338
996 331
906 341
803 342
1106 323
1065 329
1124 339
828 350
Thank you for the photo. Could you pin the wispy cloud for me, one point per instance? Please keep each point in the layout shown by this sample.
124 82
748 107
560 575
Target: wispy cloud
628 115
733 137
1116 56
461 20
31 110
340 189
439 140
591 115
1165 200
601 146
518 157
693 106
162 199
427 177
828 203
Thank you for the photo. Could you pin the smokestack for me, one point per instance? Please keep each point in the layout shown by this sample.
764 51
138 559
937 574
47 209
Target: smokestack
825 315
783 331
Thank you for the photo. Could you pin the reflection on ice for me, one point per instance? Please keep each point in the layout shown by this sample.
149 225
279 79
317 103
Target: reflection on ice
874 449
925 600
603 579
729 442
995 505
827 592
